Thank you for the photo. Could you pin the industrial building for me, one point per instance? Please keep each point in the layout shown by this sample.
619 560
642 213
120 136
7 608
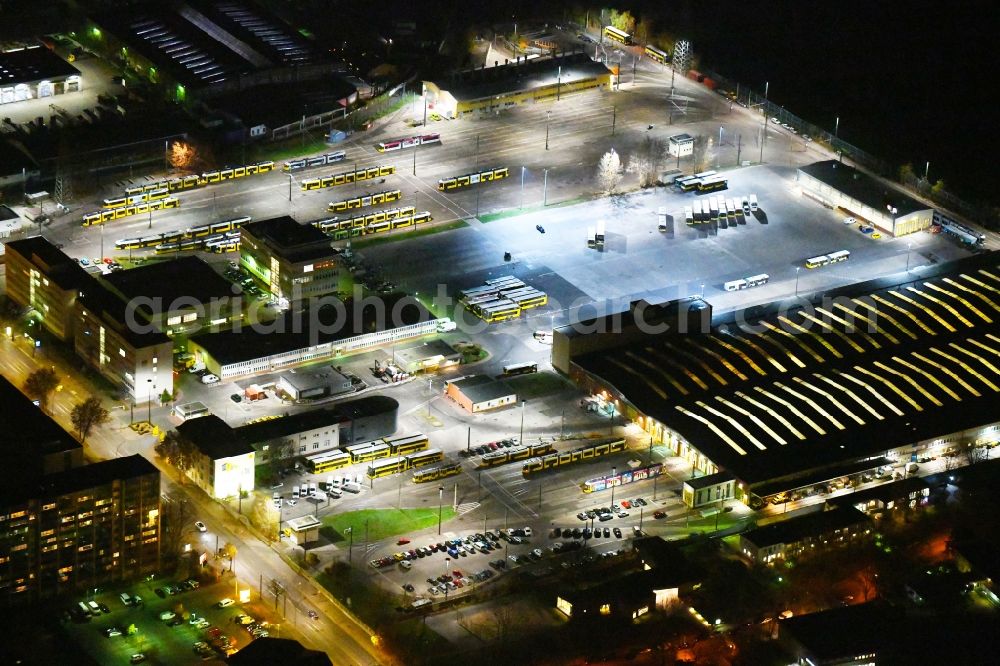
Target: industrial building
314 383
305 433
492 89
315 335
795 401
291 261
207 48
66 526
479 393
869 199
35 72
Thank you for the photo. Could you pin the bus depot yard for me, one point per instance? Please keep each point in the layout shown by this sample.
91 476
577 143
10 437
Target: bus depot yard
455 501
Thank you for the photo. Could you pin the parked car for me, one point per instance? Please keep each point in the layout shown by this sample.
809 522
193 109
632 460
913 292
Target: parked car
225 603
200 526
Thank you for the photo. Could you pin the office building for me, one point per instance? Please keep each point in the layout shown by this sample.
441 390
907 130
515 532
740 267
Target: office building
291 261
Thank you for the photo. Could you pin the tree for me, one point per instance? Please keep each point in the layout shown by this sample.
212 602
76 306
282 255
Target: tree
609 172
622 20
646 162
906 175
182 155
87 415
165 397
177 450
40 384
937 188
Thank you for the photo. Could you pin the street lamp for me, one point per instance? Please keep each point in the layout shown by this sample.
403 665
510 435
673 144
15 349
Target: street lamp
836 127
548 114
614 473
520 439
909 246
522 187
149 401
797 269
545 187
447 569
440 500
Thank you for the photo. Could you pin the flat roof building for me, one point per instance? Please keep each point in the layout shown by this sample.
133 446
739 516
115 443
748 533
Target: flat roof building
292 261
182 295
41 276
807 533
313 335
432 355
871 199
65 525
302 434
33 73
314 383
224 465
491 89
479 393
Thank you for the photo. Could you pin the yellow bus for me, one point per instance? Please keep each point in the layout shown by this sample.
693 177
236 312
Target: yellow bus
616 35
324 462
656 54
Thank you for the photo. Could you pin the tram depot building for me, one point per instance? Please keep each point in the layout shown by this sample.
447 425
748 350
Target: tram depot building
861 383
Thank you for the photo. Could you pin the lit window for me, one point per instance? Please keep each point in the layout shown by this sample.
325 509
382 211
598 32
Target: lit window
121 352
605 609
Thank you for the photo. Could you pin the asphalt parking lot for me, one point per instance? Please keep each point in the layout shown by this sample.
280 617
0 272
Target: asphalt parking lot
155 638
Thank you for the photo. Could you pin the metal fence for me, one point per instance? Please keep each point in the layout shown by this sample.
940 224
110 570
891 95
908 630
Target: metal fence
755 101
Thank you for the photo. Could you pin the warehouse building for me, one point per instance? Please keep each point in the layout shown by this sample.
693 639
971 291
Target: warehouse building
794 402
864 197
34 73
492 89
314 384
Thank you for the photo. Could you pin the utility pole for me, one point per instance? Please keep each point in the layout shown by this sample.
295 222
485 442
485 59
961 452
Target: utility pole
545 188
739 148
763 132
614 119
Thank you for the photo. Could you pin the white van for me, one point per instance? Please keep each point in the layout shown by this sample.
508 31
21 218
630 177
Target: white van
276 498
312 490
209 379
95 610
745 205
753 202
661 218
126 598
295 492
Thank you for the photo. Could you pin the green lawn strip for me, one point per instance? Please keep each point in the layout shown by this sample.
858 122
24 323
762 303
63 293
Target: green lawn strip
537 384
384 523
402 235
514 212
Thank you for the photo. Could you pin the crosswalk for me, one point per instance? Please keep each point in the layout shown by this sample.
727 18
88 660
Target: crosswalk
466 507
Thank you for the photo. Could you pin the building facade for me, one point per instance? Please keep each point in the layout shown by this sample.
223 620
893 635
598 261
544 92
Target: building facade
804 534
291 261
42 277
139 363
83 528
223 465
35 73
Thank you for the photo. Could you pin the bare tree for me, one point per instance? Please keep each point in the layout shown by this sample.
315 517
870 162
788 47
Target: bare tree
87 415
40 384
699 152
645 163
178 516
609 172
972 452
